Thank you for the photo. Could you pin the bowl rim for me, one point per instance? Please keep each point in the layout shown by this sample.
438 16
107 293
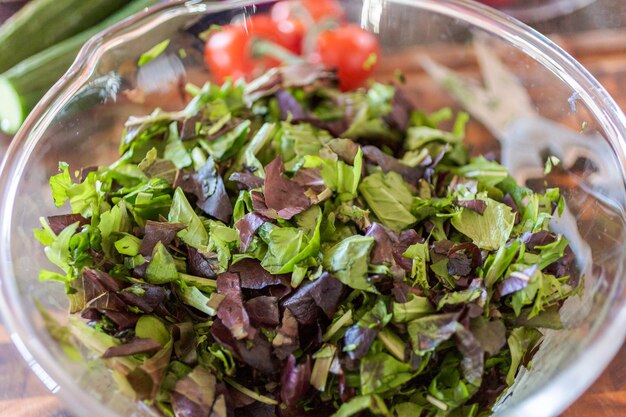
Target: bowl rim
566 384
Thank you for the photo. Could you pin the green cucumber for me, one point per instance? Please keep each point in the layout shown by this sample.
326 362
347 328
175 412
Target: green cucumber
43 23
22 86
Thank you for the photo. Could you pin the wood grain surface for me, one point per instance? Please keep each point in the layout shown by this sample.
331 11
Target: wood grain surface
602 52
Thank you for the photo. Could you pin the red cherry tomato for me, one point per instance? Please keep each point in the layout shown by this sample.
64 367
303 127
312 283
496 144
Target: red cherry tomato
323 9
227 53
317 10
352 51
287 33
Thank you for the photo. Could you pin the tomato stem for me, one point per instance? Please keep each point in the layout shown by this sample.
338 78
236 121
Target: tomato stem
265 48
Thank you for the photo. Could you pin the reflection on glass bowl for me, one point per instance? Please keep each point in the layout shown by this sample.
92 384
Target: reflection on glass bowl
537 10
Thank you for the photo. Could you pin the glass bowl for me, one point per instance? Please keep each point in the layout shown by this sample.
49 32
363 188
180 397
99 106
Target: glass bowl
538 10
568 114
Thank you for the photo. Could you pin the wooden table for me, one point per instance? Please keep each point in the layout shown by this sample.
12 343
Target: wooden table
596 36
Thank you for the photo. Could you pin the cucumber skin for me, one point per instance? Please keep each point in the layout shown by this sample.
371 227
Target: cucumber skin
33 77
43 23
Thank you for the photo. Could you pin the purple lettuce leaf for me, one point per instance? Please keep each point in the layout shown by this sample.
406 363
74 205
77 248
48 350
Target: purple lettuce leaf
247 180
310 336
212 196
188 129
491 335
473 363
122 319
107 301
295 75
257 409
147 378
256 353
314 297
284 196
345 149
518 280
478 206
388 163
406 239
541 238
294 380
101 280
382 253
327 292
231 310
60 222
247 227
145 296
198 264
194 395
253 276
90 314
401 108
263 311
185 180
463 259
289 106
156 232
310 178
509 201
133 347
240 399
359 339
259 205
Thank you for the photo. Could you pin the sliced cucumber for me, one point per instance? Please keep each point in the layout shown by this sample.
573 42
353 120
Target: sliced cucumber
43 23
22 86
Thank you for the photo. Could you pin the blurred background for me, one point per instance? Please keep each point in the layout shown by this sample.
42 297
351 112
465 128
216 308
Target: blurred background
593 31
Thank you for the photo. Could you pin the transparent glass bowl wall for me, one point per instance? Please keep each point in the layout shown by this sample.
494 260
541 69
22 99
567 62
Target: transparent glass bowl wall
540 10
81 119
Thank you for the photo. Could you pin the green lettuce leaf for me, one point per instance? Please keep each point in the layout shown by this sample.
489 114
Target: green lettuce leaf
175 151
337 175
162 268
194 234
128 245
489 230
288 246
430 331
60 183
521 340
112 224
372 403
487 172
348 261
151 327
420 255
222 240
229 143
248 155
59 251
389 198
496 265
297 141
414 308
381 372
